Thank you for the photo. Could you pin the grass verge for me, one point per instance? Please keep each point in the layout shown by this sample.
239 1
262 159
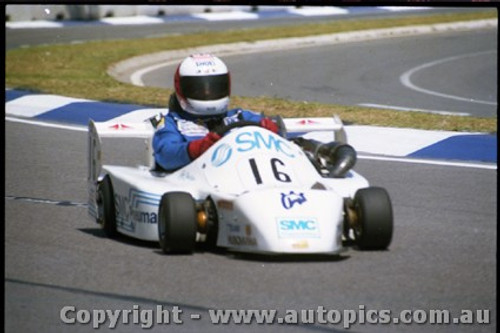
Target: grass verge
79 70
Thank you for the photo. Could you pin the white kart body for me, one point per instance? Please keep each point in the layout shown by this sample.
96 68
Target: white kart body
268 195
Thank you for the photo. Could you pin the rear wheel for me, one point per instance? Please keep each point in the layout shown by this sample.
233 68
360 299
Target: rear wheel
106 207
177 223
373 224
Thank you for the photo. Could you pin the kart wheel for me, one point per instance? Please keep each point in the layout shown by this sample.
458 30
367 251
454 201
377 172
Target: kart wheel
177 223
106 207
374 220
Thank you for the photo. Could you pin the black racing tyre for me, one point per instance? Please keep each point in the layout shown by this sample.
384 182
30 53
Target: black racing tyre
106 206
374 225
177 223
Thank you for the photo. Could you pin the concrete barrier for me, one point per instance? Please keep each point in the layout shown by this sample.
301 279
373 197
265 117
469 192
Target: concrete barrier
95 12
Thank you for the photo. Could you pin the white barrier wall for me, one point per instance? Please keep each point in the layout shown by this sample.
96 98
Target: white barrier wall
94 12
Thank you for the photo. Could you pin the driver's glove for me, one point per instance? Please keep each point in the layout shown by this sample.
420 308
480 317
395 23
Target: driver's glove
269 125
198 147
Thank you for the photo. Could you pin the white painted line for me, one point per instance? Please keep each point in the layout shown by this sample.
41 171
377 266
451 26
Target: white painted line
405 78
234 15
401 108
431 162
136 77
318 11
132 20
33 24
400 9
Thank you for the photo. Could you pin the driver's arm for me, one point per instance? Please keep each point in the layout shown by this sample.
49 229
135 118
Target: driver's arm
172 150
170 147
248 115
264 121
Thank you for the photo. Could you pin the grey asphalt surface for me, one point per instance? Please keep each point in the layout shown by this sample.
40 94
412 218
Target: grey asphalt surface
369 72
443 255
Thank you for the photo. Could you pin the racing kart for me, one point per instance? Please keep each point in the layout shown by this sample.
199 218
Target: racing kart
252 191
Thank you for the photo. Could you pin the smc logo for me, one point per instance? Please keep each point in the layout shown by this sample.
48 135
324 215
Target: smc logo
298 228
290 225
221 155
248 141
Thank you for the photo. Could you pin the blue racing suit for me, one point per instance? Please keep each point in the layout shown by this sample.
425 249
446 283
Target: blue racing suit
177 129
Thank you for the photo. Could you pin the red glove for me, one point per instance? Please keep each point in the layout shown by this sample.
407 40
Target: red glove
198 147
269 125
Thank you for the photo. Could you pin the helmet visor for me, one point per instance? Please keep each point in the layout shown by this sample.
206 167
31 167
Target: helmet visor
205 88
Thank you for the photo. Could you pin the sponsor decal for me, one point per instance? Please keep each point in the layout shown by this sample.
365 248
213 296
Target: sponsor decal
241 240
205 63
248 141
120 127
203 60
224 204
300 245
190 128
232 119
233 228
221 154
132 209
307 122
161 123
248 230
298 228
288 200
185 175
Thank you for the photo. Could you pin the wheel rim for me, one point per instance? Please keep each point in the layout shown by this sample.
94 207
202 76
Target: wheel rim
358 227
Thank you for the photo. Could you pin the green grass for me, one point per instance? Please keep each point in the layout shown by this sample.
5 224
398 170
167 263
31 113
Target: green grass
80 70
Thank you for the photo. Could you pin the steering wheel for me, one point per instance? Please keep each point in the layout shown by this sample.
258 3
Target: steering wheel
224 129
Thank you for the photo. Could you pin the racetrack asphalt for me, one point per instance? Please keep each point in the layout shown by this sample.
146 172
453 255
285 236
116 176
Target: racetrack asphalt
442 256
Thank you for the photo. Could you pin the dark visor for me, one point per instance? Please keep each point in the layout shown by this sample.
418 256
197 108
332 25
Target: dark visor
205 88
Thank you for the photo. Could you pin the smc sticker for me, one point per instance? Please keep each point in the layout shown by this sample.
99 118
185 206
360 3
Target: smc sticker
298 228
247 142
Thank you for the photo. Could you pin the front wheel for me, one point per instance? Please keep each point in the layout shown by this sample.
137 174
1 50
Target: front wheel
177 223
374 219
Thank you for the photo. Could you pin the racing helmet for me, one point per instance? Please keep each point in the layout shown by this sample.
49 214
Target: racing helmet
202 85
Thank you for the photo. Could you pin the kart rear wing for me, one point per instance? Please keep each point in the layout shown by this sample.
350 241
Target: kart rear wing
300 126
133 135
127 132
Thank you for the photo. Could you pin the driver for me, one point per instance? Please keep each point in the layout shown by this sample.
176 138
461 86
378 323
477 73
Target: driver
198 106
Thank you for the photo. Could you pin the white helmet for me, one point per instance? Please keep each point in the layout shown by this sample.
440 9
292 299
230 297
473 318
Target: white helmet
203 85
